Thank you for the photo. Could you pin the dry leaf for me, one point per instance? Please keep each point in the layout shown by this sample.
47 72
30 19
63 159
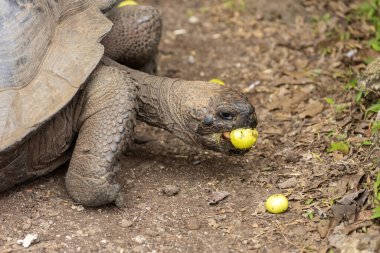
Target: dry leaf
312 109
217 197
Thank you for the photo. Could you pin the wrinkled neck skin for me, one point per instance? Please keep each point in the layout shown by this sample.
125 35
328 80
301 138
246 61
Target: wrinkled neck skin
162 103
175 105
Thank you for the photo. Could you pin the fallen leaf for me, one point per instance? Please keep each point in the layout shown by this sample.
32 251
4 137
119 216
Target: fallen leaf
312 109
260 208
323 228
347 206
341 212
217 197
350 198
291 182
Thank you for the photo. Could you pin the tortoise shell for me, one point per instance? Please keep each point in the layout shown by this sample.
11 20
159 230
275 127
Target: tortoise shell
48 48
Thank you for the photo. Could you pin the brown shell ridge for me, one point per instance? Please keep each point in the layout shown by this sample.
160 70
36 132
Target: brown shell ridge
74 52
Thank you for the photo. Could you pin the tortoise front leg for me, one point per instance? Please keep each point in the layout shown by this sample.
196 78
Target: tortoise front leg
135 36
106 125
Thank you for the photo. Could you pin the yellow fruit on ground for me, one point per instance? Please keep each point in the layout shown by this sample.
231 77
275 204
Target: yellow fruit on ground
126 2
277 203
217 81
243 138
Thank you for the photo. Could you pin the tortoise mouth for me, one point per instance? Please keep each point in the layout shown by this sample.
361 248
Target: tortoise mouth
221 142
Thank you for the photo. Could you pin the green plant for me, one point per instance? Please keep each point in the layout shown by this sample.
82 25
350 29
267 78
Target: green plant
371 12
368 60
337 107
375 108
340 146
375 127
367 143
309 201
235 5
361 91
309 214
330 101
376 199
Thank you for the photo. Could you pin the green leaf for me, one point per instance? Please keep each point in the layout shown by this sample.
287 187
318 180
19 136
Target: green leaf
376 189
341 107
367 143
375 44
340 146
376 213
373 108
375 127
309 201
368 60
358 96
310 215
352 84
326 17
330 101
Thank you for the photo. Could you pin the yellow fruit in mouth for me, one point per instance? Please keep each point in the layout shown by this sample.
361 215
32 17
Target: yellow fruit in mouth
126 2
243 138
277 203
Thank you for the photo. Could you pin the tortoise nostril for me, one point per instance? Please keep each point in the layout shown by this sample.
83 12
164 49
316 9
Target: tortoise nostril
208 120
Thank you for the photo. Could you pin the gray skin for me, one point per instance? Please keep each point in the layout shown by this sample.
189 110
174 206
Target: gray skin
97 125
370 80
135 36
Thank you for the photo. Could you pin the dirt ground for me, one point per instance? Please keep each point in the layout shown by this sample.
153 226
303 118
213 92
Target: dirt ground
287 56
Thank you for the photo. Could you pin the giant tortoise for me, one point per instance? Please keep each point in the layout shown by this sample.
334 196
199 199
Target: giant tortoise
62 100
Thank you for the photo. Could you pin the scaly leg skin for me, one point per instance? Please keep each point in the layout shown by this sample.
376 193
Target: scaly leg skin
370 78
135 36
106 126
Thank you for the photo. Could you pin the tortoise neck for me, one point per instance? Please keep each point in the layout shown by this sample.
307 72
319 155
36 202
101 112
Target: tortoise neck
161 104
161 101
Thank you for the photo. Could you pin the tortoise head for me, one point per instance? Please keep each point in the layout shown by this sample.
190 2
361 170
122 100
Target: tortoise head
211 112
198 113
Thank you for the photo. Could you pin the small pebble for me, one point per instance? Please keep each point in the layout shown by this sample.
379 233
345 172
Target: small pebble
140 239
28 240
193 223
79 208
170 190
126 223
191 59
180 32
193 20
351 53
53 213
26 226
292 157
139 248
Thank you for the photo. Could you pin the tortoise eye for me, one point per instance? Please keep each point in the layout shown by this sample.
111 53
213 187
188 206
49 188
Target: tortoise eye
226 115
